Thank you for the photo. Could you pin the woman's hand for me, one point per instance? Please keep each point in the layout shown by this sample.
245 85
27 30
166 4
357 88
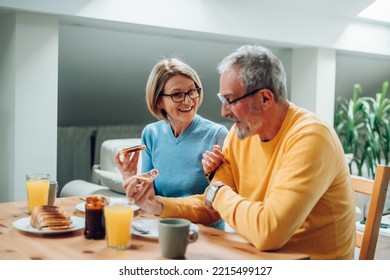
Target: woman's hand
212 160
143 195
128 164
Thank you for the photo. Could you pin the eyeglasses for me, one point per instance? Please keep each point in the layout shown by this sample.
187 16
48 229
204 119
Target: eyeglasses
181 96
230 102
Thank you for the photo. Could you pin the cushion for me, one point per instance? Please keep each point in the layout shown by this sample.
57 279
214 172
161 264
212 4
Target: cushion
111 180
110 147
84 188
107 173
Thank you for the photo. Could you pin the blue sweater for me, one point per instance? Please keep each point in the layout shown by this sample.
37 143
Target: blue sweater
179 159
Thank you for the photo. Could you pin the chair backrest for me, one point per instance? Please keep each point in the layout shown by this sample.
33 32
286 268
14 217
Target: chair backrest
377 190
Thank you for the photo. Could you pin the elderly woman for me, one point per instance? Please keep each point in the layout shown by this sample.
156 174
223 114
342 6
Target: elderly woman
182 145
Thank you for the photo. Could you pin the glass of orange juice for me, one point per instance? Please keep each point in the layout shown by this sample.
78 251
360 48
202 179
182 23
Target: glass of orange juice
118 215
37 187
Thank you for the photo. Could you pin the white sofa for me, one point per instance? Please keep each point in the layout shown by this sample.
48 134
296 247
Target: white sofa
106 178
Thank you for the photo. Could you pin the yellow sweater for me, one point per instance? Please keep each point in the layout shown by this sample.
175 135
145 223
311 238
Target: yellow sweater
292 192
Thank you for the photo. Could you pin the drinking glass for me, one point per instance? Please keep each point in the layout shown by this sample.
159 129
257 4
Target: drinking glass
118 215
37 187
52 192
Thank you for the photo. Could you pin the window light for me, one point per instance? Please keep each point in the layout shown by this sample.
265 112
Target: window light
379 11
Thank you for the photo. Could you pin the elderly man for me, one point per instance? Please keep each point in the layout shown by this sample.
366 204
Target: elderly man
284 181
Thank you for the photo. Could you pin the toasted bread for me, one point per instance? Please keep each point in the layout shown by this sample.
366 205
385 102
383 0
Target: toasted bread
148 177
133 149
50 217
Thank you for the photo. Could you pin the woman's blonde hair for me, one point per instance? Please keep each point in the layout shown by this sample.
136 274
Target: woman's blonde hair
160 74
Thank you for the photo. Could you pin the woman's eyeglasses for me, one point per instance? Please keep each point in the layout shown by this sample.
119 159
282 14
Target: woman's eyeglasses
181 96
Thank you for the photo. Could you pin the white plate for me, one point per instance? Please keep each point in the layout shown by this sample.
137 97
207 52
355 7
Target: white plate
23 224
152 226
81 207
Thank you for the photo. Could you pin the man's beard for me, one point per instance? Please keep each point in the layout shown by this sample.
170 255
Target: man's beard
246 129
241 132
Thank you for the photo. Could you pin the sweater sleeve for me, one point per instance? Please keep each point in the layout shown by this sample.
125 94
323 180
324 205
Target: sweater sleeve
190 207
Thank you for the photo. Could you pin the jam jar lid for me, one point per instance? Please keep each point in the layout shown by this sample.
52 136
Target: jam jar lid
95 202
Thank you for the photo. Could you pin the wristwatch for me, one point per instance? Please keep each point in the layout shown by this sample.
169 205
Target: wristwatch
211 193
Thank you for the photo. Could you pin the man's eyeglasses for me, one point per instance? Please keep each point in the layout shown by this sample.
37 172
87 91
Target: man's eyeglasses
230 102
181 96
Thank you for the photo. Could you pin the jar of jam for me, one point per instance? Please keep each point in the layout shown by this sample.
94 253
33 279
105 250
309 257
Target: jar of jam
94 217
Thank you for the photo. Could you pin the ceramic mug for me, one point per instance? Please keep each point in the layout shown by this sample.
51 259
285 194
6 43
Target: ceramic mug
174 236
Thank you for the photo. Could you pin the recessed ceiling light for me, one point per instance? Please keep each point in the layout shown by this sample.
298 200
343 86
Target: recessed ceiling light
379 10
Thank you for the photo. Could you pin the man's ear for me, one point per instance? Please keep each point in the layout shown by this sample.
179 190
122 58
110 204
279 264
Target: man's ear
267 98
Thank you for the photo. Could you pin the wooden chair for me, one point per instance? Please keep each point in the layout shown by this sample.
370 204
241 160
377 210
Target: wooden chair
377 190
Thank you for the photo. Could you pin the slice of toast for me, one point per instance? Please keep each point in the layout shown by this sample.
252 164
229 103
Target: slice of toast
132 149
148 177
50 217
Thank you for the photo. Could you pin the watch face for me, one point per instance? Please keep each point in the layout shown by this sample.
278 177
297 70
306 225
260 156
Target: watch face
210 193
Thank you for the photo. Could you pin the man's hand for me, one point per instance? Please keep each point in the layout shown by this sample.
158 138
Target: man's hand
212 160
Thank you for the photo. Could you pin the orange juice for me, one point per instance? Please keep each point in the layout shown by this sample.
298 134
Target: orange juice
118 218
37 192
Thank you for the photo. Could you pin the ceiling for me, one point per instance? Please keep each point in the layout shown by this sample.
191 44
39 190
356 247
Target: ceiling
345 8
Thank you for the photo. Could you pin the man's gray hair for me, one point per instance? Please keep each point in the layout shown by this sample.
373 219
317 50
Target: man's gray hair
258 68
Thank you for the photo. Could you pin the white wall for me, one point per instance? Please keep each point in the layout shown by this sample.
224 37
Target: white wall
7 104
29 65
313 81
369 71
106 71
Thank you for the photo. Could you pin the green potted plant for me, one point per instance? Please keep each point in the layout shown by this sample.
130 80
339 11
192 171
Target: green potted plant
363 126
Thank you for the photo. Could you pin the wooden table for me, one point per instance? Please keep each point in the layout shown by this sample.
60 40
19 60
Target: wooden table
212 243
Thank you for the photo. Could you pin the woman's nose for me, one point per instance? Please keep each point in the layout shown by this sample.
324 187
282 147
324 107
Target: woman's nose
187 99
